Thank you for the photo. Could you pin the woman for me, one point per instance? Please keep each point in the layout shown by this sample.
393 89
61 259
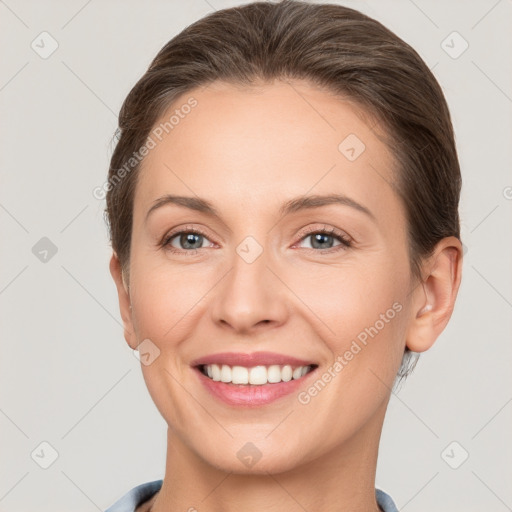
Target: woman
258 135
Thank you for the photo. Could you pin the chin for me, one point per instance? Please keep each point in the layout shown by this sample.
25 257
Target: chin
273 463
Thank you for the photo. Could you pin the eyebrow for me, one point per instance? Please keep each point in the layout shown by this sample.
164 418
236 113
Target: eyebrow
291 206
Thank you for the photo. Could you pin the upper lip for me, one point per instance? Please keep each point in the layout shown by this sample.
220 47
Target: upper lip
250 360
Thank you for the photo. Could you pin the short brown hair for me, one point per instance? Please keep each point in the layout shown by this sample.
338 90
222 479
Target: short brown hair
328 45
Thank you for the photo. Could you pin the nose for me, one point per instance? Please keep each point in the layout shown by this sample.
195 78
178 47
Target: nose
251 297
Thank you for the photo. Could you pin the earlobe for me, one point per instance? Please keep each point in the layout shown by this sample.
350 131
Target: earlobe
123 294
434 300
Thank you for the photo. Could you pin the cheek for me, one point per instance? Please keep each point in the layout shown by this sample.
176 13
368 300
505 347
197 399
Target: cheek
349 300
165 295
360 315
165 303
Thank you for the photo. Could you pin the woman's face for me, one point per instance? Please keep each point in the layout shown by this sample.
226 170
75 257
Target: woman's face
260 278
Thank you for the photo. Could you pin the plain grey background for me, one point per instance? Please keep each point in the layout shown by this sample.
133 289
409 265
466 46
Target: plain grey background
68 379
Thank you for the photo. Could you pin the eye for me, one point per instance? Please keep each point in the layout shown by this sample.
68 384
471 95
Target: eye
188 240
323 239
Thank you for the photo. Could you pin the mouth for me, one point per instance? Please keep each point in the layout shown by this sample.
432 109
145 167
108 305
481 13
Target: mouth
259 375
252 381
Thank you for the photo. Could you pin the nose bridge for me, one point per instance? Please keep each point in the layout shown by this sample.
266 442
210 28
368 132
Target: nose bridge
250 294
248 279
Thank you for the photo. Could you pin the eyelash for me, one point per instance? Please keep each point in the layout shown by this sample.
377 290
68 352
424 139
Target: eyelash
345 242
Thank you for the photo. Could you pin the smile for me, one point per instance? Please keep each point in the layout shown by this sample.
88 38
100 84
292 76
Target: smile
255 386
256 375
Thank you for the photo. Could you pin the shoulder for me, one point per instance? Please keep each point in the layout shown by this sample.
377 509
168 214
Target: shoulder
385 501
135 497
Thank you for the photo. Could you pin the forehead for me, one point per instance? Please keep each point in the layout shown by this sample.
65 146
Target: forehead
264 144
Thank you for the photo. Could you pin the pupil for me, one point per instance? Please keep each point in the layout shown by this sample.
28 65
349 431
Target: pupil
189 239
320 237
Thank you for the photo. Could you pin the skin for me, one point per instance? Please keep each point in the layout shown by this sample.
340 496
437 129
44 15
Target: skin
248 151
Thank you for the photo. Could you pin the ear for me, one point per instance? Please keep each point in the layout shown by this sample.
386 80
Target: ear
435 296
124 301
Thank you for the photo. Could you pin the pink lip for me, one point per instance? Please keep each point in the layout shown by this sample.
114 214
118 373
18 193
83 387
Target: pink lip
249 395
249 360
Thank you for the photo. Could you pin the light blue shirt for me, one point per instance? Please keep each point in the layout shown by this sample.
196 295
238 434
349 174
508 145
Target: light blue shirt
143 492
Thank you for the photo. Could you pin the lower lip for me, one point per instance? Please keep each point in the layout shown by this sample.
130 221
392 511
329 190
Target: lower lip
250 394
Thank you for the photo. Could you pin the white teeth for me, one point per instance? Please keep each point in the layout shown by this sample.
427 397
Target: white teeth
215 371
297 373
274 374
286 373
257 375
225 373
239 375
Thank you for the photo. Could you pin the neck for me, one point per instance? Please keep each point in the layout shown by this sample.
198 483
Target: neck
340 480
